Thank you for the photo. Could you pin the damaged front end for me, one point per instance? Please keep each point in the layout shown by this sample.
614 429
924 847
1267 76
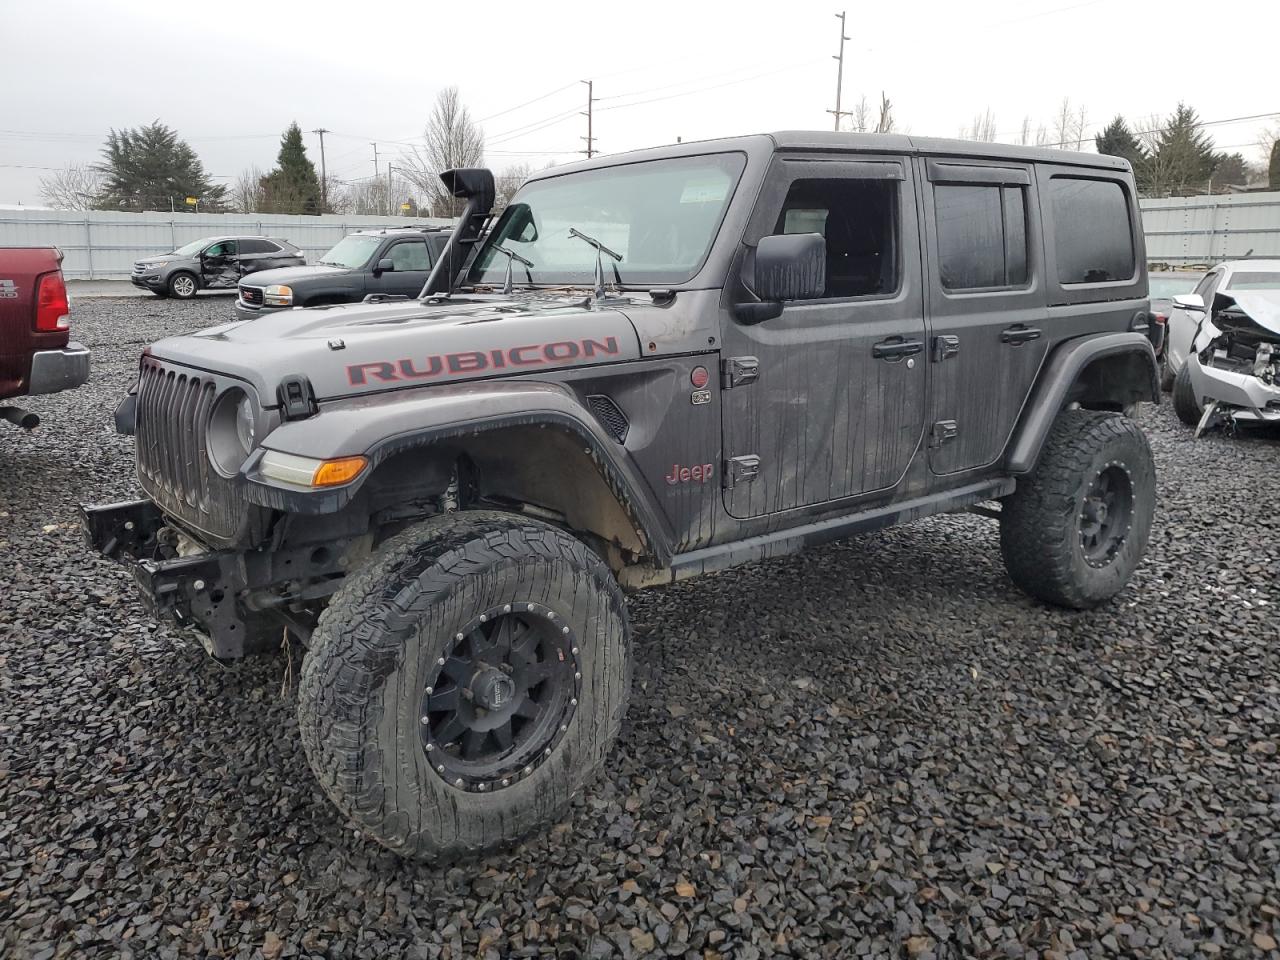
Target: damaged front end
1235 366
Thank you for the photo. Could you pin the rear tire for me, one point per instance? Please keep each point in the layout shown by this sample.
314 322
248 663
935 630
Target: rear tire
381 696
183 285
1074 530
1185 402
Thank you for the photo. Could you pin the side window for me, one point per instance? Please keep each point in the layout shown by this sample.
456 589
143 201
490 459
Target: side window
1208 285
1092 234
982 235
257 246
859 220
227 248
410 255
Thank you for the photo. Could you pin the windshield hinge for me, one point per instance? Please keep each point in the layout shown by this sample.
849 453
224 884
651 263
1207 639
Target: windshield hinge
297 399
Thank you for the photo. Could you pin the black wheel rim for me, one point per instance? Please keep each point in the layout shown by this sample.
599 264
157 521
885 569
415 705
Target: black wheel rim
1106 514
500 697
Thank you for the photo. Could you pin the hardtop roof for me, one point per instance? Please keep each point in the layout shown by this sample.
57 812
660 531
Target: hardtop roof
831 142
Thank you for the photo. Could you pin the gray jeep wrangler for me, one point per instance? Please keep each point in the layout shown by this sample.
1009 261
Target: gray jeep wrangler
650 366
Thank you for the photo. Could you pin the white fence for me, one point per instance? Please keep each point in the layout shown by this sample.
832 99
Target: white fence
1209 229
102 244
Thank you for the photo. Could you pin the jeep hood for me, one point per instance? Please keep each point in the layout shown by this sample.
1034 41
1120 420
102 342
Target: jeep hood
356 349
292 274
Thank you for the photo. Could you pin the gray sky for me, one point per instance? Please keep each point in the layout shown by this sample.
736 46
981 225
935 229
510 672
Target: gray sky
231 81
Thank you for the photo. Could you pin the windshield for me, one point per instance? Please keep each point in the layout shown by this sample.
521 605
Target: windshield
351 252
192 248
1166 288
660 215
1255 280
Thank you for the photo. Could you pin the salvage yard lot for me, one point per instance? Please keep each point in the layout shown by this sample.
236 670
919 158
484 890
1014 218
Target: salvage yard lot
879 747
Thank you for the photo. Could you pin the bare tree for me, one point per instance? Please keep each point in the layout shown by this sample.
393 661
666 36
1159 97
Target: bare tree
451 139
1064 125
1024 135
75 187
861 115
983 128
509 181
247 193
885 123
1082 127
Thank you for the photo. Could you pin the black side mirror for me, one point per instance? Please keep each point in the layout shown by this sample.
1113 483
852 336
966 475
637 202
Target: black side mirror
386 265
789 266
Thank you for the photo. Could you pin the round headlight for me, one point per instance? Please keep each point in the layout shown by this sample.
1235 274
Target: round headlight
244 424
231 432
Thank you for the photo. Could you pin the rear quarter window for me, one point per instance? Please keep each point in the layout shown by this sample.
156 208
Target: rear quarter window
1092 233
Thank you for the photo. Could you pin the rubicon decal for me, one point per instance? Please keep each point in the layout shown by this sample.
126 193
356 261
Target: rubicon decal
699 473
559 353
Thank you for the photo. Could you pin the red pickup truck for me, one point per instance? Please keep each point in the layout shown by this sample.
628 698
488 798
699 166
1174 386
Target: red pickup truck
37 354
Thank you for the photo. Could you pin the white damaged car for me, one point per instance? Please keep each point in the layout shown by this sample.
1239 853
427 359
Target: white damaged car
1224 346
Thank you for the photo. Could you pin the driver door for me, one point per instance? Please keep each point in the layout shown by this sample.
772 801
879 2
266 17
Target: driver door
1183 324
219 265
836 408
411 265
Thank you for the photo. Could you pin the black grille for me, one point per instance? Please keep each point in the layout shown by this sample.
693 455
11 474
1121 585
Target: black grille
251 295
173 462
608 413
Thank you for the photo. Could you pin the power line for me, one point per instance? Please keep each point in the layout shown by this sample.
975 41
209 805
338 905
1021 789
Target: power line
527 103
591 141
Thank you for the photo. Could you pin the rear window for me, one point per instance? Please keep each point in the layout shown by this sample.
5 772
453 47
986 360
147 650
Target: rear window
982 236
1093 238
1254 280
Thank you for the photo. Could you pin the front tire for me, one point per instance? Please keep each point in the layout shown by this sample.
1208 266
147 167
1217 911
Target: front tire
1074 530
465 683
1185 402
183 285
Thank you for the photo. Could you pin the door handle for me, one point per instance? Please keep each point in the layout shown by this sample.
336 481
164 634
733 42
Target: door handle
896 348
1019 334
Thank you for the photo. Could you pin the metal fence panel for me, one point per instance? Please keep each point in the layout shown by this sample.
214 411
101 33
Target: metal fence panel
1209 229
103 244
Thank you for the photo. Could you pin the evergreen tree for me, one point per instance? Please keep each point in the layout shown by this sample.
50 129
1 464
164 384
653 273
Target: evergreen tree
150 168
1117 140
293 186
1273 170
1183 159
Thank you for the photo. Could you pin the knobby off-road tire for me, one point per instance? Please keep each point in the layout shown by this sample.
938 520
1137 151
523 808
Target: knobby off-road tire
1185 402
1055 546
380 643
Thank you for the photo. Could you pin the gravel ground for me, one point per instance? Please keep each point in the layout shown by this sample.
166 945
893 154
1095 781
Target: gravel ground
878 748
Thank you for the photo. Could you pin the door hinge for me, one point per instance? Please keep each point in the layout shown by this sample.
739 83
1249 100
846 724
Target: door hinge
943 431
945 347
739 371
297 399
742 469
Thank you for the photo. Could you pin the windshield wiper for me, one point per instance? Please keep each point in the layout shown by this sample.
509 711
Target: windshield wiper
600 249
511 256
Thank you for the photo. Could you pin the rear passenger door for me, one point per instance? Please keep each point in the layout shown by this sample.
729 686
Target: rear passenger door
256 254
987 306
828 398
412 264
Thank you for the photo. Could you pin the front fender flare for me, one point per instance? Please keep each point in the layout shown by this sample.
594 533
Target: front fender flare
386 424
1057 378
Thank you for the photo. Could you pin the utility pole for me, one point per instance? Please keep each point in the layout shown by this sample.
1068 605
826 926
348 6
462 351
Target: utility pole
591 143
840 74
324 177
